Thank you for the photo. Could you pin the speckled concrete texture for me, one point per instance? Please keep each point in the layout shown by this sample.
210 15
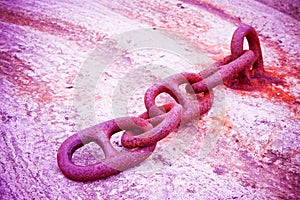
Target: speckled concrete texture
248 149
290 7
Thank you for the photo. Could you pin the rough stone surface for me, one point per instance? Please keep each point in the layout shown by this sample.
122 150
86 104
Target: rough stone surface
248 151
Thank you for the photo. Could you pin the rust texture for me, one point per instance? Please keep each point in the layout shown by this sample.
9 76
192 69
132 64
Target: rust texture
171 121
248 151
114 161
250 62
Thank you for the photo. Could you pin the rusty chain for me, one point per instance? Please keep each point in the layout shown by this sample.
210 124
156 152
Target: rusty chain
243 69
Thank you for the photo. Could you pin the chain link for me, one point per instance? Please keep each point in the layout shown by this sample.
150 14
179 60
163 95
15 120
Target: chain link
241 70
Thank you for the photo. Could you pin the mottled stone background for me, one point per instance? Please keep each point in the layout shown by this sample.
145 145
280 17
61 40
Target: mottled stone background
250 152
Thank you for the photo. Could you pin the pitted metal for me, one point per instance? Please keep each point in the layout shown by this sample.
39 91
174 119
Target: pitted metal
243 69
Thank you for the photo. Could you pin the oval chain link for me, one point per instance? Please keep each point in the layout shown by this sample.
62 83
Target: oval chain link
143 132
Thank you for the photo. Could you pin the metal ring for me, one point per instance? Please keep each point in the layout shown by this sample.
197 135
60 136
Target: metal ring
237 45
114 161
170 122
192 108
225 73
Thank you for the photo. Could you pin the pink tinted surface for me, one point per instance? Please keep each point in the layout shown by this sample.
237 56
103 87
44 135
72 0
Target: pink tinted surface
254 155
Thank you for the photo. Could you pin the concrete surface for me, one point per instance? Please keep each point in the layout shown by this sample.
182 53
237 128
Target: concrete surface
250 151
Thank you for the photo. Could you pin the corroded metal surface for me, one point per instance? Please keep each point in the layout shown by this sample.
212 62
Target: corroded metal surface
114 161
45 43
243 65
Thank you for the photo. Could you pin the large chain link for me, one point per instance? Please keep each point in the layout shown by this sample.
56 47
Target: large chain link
241 70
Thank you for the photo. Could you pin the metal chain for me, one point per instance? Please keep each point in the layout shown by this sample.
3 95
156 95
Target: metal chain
241 70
